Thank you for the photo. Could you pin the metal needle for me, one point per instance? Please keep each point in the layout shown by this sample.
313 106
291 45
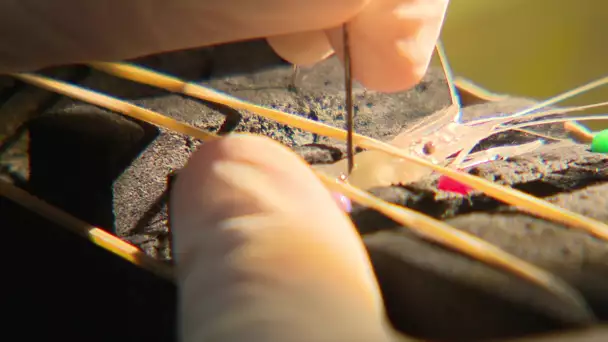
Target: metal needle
348 89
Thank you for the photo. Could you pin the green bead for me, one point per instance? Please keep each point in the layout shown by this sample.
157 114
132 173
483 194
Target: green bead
599 143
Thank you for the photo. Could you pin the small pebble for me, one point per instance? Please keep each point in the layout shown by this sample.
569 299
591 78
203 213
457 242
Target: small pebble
599 144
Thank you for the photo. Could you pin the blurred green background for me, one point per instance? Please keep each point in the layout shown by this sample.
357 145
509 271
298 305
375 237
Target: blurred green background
531 48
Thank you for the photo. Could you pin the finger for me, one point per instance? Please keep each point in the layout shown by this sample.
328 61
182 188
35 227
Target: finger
263 253
304 48
38 33
392 42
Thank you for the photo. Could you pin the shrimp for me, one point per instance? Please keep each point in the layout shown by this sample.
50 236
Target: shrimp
423 152
443 139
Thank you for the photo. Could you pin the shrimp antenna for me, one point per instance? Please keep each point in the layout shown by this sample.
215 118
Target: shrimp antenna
594 117
348 92
449 76
563 96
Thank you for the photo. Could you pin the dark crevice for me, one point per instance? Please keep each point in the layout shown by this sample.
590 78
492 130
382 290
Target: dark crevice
40 103
561 182
12 139
319 153
144 222
65 278
539 188
369 220
15 178
243 58
312 115
422 200
7 93
190 65
171 178
75 159
408 288
72 166
233 117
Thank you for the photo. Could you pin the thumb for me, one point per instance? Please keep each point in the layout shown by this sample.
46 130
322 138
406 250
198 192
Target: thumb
263 253
391 42
38 34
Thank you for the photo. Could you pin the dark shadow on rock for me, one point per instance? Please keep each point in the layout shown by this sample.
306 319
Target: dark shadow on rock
592 334
232 116
153 210
10 140
58 284
319 153
14 178
593 282
192 65
423 199
76 157
243 58
23 101
189 65
428 300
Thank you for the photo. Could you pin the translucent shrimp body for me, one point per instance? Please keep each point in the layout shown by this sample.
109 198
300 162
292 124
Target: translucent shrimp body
436 139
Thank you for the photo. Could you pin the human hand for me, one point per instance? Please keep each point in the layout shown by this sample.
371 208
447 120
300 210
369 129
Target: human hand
263 253
391 40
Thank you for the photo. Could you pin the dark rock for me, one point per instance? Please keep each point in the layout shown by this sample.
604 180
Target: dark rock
59 284
114 172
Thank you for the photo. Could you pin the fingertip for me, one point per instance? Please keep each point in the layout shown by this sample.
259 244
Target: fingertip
244 176
304 48
241 175
259 238
203 188
392 42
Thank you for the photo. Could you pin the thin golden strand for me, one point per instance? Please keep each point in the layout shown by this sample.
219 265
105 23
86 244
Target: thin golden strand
94 234
508 195
173 84
113 104
566 95
436 230
513 197
579 132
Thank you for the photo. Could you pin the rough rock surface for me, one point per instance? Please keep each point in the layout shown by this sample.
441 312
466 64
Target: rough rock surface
113 172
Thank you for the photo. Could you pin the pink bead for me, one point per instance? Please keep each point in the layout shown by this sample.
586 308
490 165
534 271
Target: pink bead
343 202
450 185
